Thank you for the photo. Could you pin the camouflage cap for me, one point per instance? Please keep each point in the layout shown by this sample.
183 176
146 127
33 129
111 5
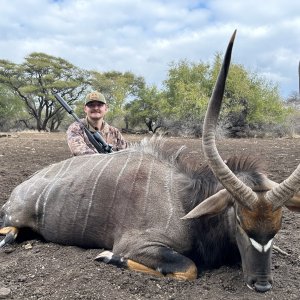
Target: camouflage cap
95 96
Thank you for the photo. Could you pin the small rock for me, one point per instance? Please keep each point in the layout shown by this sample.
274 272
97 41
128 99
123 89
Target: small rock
8 250
28 246
4 292
22 278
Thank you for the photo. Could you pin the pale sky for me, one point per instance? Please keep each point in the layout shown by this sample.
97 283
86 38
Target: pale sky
145 36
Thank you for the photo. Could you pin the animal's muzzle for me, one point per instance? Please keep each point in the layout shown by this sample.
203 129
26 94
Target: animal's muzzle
260 286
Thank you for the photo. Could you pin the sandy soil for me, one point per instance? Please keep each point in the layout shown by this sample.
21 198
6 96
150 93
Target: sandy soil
32 269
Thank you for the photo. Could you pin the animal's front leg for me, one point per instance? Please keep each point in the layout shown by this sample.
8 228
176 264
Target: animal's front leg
109 258
170 264
143 255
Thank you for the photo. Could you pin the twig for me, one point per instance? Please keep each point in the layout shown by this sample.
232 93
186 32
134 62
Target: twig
280 251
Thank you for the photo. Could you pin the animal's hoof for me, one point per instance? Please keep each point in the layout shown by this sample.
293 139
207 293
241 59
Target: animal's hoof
105 256
109 258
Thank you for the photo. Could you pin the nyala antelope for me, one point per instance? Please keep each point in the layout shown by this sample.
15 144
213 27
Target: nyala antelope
154 214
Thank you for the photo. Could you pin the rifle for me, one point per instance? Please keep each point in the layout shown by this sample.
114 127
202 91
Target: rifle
95 138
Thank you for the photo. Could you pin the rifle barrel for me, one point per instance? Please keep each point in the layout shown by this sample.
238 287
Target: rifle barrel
63 103
66 106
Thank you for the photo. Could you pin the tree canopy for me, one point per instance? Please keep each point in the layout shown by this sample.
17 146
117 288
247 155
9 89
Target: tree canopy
35 81
250 101
252 96
146 109
12 109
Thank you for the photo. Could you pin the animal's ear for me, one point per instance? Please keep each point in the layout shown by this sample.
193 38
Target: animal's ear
213 205
294 203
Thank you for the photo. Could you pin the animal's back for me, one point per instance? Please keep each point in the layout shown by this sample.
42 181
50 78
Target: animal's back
89 200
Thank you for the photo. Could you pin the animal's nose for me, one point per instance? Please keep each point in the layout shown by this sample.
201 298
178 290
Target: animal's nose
262 286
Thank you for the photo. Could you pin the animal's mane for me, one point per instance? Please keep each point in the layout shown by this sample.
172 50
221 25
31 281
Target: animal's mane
200 183
156 147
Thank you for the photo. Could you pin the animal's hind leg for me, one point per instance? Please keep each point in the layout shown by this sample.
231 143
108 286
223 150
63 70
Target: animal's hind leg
10 235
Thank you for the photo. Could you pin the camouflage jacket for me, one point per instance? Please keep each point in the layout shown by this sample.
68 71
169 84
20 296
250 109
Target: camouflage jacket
79 143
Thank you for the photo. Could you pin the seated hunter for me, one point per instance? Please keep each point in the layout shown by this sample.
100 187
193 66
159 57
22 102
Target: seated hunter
95 109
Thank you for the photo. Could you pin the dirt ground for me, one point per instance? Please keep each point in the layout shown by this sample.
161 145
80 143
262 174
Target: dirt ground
33 269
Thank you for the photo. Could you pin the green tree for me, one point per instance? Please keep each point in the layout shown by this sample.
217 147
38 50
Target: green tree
249 99
35 81
146 109
11 109
187 89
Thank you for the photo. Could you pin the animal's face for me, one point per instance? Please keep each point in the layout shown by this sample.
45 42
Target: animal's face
255 230
258 214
